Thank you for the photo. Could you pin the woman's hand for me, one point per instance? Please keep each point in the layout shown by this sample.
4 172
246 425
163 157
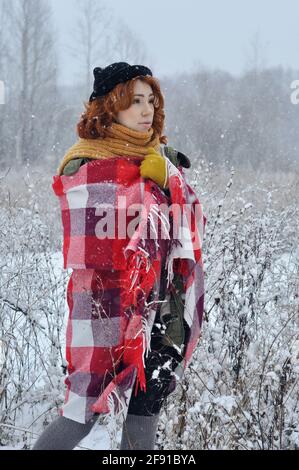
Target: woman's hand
154 167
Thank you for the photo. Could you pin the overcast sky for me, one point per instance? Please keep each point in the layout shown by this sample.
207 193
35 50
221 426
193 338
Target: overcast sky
216 33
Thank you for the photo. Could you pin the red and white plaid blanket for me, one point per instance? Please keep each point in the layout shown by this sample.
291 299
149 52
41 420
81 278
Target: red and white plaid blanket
117 235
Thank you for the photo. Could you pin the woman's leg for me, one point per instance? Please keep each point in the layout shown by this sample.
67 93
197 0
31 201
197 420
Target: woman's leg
140 428
139 432
63 434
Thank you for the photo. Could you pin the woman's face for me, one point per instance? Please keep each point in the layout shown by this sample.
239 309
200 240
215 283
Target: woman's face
139 116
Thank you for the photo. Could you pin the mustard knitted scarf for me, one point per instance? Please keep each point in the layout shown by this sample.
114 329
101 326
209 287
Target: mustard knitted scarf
120 141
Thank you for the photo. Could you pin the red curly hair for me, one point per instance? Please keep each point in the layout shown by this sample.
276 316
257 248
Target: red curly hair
101 112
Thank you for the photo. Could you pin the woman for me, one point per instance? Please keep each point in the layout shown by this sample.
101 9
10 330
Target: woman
136 291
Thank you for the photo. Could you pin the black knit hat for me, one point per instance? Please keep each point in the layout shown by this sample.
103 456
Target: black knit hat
119 72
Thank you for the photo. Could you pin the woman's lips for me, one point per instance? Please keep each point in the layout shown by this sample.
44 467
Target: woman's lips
146 124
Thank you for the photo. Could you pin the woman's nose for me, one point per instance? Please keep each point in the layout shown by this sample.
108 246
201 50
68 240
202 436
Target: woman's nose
147 109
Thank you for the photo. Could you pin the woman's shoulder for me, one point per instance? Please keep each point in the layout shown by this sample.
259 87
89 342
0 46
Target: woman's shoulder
76 156
73 166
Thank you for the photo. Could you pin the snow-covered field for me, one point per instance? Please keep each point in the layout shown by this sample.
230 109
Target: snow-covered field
241 389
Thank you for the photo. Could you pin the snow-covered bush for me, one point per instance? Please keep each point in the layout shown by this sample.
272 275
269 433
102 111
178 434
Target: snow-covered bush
241 389
32 302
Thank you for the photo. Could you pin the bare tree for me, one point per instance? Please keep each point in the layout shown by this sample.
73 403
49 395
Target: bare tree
2 55
33 73
99 38
90 37
256 54
2 42
127 46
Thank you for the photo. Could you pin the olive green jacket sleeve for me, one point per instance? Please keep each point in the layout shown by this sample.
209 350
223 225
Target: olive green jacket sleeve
73 166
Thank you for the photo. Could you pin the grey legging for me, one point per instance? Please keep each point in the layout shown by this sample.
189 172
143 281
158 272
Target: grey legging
138 433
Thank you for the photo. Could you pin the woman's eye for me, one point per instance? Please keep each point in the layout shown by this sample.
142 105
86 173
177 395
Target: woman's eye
136 100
